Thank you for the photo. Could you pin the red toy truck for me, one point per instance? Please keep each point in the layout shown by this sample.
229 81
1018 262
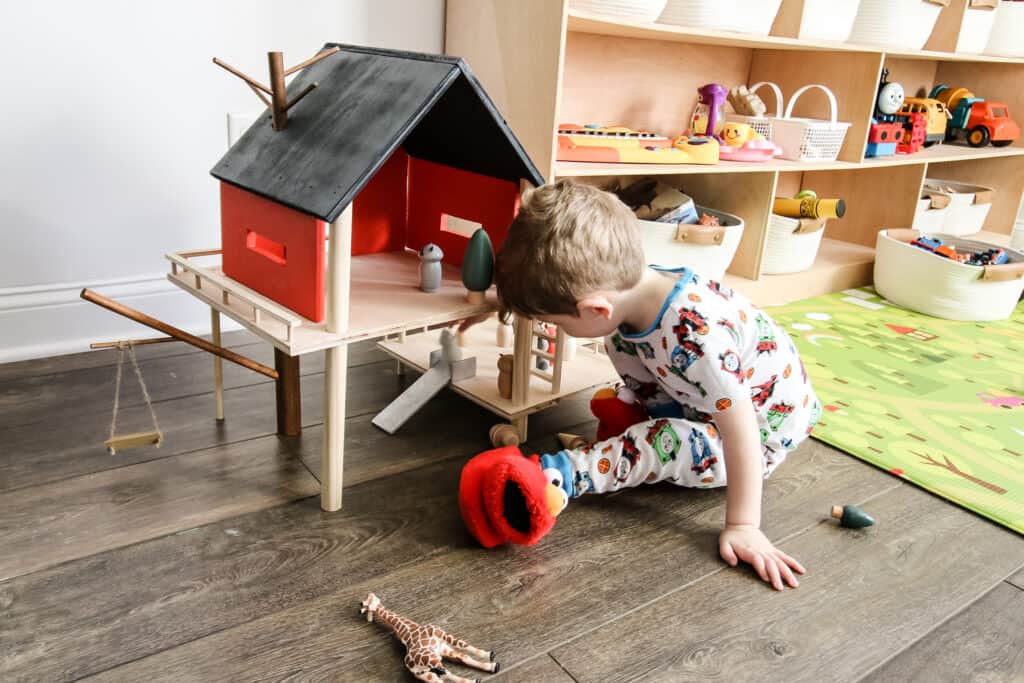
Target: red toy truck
975 120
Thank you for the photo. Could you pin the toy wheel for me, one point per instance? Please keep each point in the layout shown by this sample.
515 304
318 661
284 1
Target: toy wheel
932 143
1002 143
978 137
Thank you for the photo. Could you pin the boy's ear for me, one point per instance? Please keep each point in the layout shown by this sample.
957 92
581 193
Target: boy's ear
598 304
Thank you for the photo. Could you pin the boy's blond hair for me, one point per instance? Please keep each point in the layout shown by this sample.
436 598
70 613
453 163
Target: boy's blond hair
567 241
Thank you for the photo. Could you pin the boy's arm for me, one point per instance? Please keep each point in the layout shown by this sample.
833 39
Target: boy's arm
741 443
742 538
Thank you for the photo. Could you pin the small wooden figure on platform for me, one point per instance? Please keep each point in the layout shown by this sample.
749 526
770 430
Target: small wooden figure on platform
430 267
852 517
478 266
505 336
505 365
427 646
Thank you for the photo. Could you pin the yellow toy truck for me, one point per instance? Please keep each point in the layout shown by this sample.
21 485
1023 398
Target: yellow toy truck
935 115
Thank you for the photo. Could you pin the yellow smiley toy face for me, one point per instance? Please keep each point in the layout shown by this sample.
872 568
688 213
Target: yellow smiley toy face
736 134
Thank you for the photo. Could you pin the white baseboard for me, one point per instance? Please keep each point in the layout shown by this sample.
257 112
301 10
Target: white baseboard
51 320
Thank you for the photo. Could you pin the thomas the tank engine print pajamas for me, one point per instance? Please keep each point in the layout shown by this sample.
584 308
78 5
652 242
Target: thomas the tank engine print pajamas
709 349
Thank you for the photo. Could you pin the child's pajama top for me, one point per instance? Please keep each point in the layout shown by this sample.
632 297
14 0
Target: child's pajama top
709 349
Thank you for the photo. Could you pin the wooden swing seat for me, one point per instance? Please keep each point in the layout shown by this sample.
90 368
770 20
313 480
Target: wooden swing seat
133 440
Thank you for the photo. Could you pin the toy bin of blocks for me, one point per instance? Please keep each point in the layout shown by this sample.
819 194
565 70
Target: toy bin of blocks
795 229
745 16
948 276
896 24
965 211
676 232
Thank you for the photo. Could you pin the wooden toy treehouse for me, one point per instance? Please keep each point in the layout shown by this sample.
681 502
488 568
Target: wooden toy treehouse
325 208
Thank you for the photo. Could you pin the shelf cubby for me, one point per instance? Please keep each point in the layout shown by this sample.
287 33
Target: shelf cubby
546 64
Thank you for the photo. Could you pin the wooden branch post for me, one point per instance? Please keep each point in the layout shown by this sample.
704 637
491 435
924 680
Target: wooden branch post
339 252
289 394
279 93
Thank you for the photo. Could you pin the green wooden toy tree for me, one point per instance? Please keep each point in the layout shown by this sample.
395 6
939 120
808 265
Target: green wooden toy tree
852 516
478 266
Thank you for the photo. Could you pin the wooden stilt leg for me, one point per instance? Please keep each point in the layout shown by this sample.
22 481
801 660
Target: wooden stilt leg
339 252
289 394
334 428
520 423
218 365
399 367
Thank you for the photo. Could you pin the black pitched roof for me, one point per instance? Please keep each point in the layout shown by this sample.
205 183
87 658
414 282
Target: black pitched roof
369 102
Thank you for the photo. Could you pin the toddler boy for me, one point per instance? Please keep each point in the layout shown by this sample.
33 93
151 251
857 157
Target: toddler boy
722 383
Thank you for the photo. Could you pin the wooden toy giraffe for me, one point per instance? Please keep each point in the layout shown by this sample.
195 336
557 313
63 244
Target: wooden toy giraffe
426 646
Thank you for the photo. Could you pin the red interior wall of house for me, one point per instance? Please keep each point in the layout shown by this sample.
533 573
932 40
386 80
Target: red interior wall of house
378 219
277 251
435 190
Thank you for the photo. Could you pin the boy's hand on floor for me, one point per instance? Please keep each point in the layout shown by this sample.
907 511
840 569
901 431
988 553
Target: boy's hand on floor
747 543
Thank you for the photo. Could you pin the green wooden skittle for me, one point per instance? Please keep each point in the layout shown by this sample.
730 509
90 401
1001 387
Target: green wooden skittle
852 516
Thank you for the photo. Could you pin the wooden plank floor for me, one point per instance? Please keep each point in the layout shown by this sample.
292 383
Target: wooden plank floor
209 559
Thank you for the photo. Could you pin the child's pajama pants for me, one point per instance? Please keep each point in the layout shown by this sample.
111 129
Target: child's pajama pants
681 451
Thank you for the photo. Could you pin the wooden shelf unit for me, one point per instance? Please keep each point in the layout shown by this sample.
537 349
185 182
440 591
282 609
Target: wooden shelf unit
545 64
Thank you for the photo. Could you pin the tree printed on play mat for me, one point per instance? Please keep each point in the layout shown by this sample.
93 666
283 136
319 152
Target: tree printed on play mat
938 402
960 473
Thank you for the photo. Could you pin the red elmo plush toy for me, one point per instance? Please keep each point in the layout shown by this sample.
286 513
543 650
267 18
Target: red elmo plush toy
616 411
505 497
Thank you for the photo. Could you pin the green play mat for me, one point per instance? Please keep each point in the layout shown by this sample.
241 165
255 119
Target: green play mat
937 402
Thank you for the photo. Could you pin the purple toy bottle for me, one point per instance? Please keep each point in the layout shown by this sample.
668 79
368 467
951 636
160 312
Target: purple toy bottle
709 114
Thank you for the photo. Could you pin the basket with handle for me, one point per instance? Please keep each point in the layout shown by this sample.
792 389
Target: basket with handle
791 244
709 249
921 281
762 124
809 139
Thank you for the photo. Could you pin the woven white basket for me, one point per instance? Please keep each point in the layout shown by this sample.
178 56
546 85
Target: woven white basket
895 23
827 20
707 250
911 277
1007 29
968 206
977 26
762 124
645 11
809 139
791 244
931 212
745 16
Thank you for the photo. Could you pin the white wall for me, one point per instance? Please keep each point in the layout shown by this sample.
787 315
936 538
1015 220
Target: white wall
112 117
